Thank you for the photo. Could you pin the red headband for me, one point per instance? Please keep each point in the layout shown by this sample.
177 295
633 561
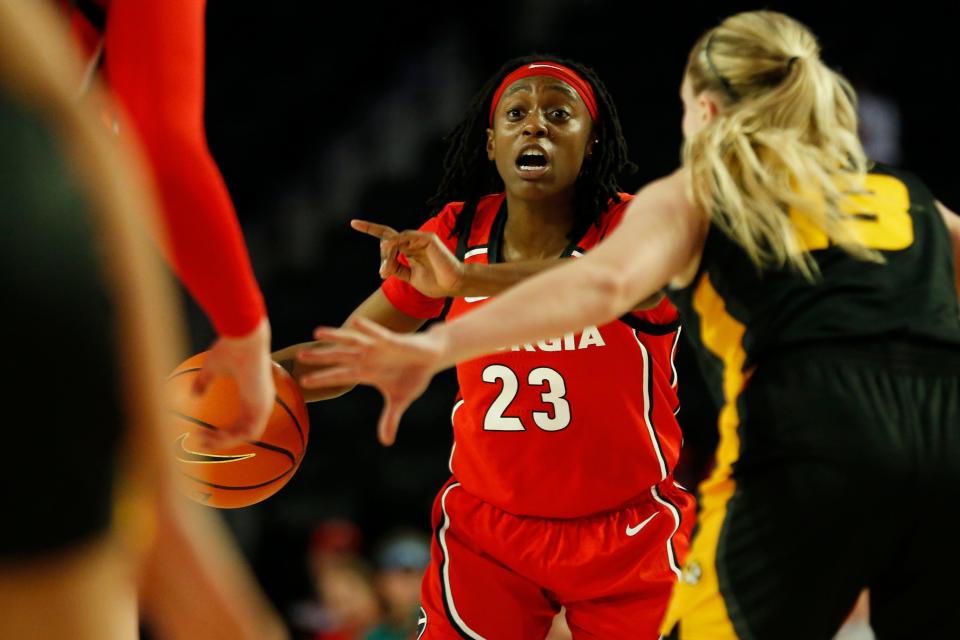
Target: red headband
554 70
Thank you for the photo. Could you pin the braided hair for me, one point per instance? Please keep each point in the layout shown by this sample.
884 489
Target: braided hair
468 175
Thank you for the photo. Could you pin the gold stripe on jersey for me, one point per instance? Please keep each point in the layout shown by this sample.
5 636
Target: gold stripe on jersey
697 604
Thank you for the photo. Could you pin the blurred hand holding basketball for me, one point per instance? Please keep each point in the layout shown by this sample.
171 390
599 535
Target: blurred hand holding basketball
247 361
400 366
432 269
237 474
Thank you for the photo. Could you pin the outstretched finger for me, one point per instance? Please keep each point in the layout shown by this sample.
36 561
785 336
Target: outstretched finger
341 335
334 376
369 328
390 421
381 231
329 355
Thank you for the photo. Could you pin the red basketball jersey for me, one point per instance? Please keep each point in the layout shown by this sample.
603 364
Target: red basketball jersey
566 427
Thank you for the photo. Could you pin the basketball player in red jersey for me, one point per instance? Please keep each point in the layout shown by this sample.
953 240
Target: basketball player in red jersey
562 491
152 54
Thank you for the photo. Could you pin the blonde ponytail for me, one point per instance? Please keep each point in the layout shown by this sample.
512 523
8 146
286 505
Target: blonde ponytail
784 141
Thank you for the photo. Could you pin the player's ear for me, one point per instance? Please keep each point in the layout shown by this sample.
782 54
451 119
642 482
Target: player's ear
709 106
590 145
491 145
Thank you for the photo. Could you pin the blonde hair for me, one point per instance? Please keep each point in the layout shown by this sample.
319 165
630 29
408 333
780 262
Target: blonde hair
785 139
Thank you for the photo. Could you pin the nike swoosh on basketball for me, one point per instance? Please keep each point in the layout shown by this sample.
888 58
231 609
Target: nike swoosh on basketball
186 455
632 531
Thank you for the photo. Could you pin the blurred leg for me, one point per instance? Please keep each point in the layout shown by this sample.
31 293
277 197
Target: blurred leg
85 593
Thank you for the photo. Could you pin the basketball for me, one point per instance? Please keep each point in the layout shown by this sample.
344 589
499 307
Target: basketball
248 472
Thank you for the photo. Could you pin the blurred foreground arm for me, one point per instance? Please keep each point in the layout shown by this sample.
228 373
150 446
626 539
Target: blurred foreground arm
195 583
155 67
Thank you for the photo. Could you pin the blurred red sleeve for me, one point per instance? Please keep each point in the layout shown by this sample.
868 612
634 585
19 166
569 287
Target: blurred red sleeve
155 67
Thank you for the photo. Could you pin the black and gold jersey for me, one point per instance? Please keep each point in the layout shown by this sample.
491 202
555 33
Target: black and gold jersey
737 314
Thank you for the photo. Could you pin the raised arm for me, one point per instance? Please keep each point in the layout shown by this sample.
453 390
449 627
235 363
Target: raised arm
155 67
433 269
492 279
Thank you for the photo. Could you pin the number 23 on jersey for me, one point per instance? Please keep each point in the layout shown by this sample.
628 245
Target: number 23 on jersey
554 393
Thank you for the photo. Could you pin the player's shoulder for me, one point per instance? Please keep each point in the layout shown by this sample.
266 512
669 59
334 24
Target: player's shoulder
446 217
917 188
486 206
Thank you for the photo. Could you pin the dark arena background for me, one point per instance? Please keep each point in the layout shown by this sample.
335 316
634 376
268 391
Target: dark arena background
318 113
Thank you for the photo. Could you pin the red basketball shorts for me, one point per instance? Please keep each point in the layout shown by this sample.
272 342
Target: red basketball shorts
497 576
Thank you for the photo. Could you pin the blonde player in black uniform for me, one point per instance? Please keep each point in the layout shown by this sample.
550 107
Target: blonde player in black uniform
820 293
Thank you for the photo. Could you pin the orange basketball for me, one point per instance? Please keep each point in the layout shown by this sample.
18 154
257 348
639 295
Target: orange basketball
248 472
